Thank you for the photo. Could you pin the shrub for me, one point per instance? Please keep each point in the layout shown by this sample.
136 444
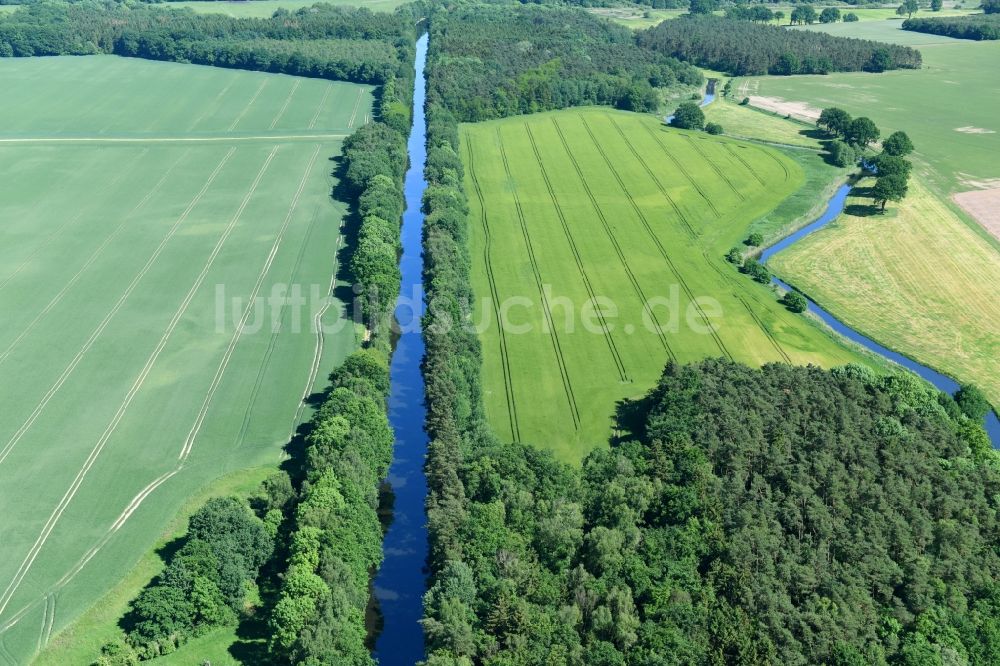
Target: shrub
794 301
734 256
713 128
756 270
756 239
688 116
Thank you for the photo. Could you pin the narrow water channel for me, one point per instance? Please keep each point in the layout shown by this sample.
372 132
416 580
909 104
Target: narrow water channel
399 584
941 381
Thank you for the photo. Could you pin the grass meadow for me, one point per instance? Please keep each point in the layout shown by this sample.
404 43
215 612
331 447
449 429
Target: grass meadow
948 107
264 8
139 199
917 279
572 206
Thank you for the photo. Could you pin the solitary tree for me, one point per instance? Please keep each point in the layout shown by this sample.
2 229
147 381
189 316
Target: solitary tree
862 131
990 6
936 5
756 239
835 121
889 188
850 17
898 143
779 16
688 116
829 15
713 128
794 301
909 8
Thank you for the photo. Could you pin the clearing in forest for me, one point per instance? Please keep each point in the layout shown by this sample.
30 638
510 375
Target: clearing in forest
131 256
587 220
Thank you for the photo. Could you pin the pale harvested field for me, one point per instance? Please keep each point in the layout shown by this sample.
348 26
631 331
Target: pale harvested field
918 280
984 206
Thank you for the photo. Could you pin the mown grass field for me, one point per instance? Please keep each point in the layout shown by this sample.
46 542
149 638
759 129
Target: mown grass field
264 8
918 280
138 199
948 107
578 205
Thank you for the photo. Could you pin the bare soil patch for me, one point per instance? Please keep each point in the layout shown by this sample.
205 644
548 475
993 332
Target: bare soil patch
800 110
984 205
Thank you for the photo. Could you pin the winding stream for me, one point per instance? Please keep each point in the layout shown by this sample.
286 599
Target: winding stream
399 584
941 381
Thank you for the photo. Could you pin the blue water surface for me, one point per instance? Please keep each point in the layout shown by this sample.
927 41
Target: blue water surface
400 582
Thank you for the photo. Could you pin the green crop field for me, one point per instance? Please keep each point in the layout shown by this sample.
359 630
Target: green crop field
948 107
155 216
584 208
263 8
918 280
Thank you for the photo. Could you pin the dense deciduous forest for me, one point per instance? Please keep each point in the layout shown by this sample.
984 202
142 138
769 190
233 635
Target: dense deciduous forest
322 41
510 59
743 48
976 26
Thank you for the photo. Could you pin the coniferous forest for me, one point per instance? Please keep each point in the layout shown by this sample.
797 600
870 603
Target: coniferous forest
743 48
976 26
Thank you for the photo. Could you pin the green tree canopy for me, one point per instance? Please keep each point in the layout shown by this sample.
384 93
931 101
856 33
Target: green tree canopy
688 116
898 143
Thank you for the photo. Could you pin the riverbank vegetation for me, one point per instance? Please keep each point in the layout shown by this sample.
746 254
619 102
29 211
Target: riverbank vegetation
744 48
977 26
507 60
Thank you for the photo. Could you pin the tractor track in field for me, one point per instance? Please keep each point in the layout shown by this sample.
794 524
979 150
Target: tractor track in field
354 113
93 257
666 195
73 220
515 429
557 347
77 482
733 282
276 326
319 109
612 347
780 163
288 100
680 167
715 167
614 242
656 241
753 172
251 306
13 441
248 105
